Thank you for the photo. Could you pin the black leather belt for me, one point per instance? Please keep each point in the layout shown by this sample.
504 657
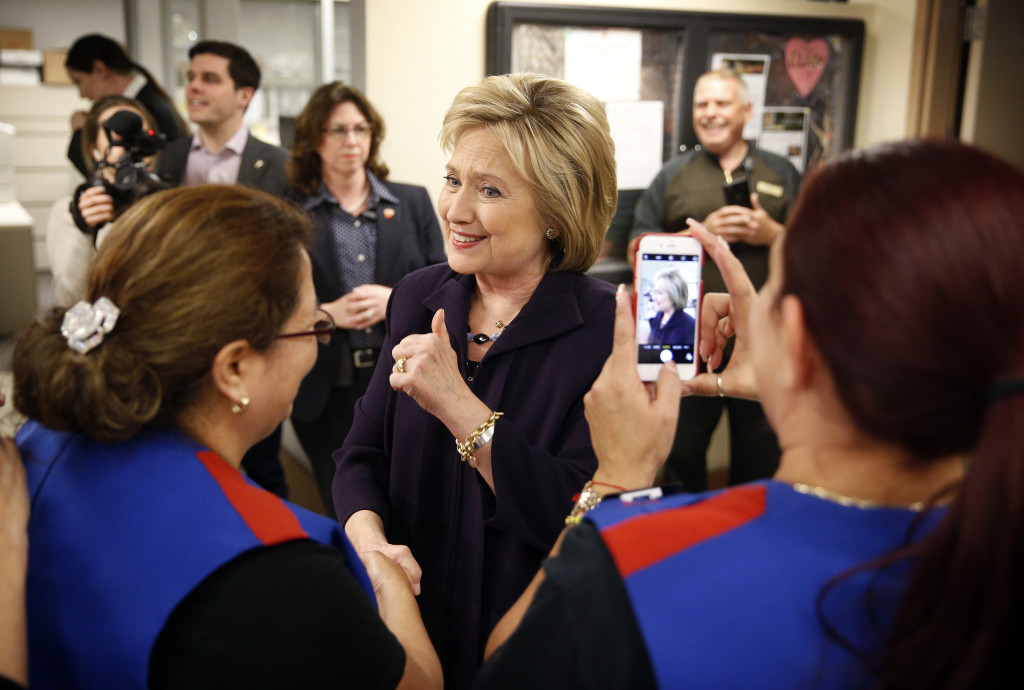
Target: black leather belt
365 358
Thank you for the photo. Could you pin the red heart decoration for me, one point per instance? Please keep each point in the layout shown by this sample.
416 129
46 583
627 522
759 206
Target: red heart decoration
805 61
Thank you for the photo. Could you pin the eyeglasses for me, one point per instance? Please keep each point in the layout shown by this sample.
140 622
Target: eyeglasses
341 131
323 329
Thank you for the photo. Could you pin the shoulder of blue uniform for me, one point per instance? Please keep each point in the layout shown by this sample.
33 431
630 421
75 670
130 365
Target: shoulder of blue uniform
641 530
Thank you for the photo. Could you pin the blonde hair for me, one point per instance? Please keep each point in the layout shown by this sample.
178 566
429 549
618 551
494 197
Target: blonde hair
675 285
558 139
191 269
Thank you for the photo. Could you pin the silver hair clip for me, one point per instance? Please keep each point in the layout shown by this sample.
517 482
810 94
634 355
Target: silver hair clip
85 324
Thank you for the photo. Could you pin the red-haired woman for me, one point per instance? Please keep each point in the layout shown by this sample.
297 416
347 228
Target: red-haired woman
887 348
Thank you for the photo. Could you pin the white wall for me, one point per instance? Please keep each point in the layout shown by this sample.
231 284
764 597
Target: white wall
55 24
416 64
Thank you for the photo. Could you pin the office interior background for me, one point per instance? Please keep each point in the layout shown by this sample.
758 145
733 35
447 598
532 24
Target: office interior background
411 57
929 67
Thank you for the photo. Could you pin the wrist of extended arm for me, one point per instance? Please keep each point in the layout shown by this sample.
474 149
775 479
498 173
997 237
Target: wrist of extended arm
480 437
365 529
589 498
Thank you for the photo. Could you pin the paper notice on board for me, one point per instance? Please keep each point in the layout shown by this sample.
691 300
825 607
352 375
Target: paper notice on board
754 71
785 131
637 128
605 63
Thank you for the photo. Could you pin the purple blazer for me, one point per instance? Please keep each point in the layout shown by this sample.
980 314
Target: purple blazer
479 549
678 330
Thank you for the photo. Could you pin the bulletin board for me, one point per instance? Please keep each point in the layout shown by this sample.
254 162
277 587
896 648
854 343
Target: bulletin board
803 73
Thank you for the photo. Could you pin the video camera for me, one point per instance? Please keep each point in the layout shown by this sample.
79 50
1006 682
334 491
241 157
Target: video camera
132 177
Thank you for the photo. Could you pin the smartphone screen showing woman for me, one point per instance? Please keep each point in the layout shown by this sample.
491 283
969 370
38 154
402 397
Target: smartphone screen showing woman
668 290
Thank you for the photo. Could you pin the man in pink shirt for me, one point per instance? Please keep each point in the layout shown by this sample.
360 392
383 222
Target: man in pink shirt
222 80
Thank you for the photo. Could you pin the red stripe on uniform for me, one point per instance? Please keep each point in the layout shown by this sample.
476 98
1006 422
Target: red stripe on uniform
645 539
264 513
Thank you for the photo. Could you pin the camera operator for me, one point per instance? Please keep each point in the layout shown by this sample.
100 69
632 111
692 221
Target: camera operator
123 172
119 174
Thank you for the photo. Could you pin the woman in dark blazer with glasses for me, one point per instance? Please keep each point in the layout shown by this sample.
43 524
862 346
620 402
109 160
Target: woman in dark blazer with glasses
369 234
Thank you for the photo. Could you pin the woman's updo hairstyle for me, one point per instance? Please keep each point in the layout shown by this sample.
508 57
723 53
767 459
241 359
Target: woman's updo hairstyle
191 270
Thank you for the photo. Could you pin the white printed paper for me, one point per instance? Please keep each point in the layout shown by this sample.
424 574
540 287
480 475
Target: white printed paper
637 128
605 63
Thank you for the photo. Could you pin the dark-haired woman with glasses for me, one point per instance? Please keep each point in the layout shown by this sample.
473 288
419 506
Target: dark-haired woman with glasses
369 234
154 562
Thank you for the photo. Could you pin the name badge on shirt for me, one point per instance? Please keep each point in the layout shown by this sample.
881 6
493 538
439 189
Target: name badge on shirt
770 189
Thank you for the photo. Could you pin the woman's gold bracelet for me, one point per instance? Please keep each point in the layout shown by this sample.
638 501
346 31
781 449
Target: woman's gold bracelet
480 437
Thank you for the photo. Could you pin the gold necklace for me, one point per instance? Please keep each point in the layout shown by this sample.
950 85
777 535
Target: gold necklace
481 338
499 324
850 501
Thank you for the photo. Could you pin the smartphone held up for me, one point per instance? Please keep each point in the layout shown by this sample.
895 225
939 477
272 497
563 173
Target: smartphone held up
668 289
737 193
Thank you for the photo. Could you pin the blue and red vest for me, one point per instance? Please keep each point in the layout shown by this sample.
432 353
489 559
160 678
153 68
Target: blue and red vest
119 534
724 586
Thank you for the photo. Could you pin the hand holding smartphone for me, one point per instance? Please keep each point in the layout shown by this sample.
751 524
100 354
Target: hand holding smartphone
668 289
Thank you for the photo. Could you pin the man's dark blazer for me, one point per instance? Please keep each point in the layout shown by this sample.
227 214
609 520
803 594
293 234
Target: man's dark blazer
407 239
262 165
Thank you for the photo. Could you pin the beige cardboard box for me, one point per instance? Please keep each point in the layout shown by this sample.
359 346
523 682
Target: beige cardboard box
15 39
53 67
